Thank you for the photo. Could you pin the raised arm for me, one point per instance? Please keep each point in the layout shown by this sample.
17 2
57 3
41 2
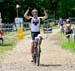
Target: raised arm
46 15
26 14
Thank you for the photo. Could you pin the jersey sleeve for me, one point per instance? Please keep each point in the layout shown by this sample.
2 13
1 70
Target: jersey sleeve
30 19
40 18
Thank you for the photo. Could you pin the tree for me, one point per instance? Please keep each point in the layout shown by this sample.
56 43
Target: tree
56 8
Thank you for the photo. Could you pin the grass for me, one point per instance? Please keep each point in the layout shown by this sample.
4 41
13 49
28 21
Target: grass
68 45
64 43
9 42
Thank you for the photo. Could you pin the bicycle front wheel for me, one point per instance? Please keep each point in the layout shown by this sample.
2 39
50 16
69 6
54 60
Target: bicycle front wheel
38 56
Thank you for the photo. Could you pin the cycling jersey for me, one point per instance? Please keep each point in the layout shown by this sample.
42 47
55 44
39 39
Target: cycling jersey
35 24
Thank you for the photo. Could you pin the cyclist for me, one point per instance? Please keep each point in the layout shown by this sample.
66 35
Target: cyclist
68 29
35 25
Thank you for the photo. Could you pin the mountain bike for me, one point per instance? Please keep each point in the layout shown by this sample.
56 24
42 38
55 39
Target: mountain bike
37 50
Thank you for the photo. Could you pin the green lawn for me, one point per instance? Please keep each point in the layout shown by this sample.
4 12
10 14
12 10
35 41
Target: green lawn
68 45
64 43
9 42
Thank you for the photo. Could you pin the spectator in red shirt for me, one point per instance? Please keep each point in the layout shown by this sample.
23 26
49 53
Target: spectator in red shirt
1 34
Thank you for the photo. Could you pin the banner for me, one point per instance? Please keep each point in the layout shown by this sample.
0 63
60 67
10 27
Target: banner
18 20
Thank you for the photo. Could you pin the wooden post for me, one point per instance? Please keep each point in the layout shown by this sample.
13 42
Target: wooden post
17 6
17 12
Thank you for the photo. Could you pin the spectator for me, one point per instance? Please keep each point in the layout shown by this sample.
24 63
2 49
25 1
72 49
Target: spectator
61 25
1 34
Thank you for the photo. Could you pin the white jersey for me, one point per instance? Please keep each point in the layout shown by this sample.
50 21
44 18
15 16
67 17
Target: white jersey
35 24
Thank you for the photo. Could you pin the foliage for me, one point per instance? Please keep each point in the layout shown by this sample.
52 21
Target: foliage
56 8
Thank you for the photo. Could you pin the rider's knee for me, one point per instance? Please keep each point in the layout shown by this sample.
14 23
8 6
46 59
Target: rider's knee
32 43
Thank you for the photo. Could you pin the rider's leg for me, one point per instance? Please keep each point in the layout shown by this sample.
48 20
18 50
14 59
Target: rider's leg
32 50
32 44
32 47
68 37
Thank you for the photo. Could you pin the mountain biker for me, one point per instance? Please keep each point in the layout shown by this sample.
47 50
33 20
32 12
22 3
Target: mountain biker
68 29
35 25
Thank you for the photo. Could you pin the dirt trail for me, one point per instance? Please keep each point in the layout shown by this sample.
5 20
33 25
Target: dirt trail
53 57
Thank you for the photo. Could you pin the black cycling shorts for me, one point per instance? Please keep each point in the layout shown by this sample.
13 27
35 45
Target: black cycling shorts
68 33
34 34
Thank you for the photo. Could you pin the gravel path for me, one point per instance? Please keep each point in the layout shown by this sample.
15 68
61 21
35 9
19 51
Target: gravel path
53 57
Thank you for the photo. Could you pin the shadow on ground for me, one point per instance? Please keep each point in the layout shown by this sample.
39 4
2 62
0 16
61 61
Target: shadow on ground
47 65
6 44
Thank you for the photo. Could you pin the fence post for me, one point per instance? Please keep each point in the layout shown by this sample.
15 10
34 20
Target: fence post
26 26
